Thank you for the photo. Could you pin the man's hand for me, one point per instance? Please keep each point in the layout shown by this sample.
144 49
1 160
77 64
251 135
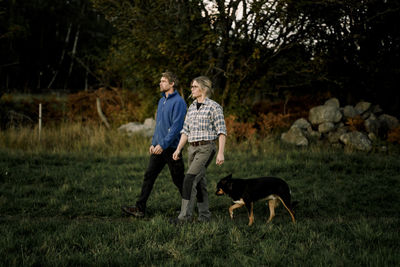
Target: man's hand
157 150
151 149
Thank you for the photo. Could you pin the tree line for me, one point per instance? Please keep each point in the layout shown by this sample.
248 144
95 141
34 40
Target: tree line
252 50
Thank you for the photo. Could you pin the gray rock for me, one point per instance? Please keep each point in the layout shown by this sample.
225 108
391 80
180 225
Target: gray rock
376 109
356 140
332 102
311 134
294 136
326 127
388 122
146 129
150 123
349 111
324 113
334 136
302 124
362 107
372 124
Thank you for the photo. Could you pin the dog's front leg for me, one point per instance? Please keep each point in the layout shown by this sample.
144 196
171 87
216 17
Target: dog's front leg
238 204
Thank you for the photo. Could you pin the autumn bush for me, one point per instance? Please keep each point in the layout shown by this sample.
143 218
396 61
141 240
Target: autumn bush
394 135
119 106
356 123
270 123
263 126
239 130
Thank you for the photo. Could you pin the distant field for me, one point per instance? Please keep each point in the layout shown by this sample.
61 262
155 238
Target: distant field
60 205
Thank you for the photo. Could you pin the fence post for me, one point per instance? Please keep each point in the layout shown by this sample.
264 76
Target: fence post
40 121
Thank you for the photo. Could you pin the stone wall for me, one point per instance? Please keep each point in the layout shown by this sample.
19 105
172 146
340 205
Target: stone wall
330 122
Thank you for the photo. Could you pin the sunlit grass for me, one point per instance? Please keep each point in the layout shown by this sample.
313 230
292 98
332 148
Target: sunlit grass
73 138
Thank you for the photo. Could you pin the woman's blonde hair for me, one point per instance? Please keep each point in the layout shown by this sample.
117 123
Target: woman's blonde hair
205 84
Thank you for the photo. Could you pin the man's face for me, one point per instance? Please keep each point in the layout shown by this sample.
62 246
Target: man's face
165 85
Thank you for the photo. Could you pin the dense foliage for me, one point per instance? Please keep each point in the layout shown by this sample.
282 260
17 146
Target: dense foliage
51 44
252 50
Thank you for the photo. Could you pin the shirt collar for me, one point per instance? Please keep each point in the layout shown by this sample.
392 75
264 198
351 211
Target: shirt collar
206 101
170 95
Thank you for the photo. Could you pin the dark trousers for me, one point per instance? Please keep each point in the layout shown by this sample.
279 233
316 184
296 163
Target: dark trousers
155 166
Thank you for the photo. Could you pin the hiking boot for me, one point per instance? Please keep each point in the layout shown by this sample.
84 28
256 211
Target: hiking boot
133 210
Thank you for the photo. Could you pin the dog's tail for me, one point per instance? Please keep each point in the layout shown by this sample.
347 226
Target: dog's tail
289 209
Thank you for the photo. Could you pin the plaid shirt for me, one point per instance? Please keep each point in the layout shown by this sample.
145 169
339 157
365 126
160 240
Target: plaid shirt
204 124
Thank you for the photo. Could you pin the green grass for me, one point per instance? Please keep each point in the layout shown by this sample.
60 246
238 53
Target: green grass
62 207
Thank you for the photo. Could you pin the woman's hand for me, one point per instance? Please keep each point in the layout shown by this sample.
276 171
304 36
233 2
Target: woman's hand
176 154
220 159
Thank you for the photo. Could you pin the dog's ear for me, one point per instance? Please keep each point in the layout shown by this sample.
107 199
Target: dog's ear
229 176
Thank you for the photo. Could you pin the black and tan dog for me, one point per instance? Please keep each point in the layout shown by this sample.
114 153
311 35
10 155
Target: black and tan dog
245 192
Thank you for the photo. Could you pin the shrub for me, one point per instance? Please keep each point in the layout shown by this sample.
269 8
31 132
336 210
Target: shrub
239 130
394 135
356 123
118 105
268 123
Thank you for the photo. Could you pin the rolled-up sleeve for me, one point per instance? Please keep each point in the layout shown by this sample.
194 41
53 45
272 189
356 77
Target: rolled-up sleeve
219 121
185 128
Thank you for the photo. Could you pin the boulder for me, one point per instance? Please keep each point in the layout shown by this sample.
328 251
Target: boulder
332 102
362 107
294 136
389 122
326 127
302 124
325 113
349 112
372 124
334 136
145 129
356 140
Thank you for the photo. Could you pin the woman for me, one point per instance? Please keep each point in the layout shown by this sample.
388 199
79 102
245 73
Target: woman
204 124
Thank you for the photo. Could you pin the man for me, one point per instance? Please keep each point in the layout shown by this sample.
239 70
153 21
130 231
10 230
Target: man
171 113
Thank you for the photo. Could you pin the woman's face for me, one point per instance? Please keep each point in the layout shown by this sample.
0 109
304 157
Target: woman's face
196 90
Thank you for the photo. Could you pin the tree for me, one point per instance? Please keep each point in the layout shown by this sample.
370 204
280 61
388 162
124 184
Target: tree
50 44
357 43
256 49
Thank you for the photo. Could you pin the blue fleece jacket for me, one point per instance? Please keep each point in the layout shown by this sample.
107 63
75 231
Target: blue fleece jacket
171 113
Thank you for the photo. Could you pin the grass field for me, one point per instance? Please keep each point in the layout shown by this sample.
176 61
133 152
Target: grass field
60 205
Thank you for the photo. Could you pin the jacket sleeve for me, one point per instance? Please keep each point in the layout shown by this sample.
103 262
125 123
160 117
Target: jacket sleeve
178 117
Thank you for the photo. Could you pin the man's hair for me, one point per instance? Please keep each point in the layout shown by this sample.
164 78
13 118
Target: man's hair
205 84
171 77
